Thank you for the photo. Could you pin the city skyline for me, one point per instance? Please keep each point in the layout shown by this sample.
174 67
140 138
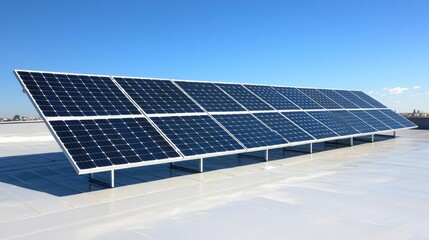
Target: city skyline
377 47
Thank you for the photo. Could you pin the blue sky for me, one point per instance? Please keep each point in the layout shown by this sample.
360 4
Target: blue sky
380 47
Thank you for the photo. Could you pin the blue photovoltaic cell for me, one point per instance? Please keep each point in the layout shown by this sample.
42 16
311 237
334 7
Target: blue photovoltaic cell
107 142
297 97
284 127
76 95
245 97
354 121
385 119
320 98
249 130
310 125
272 97
210 97
158 96
337 98
369 119
400 119
334 123
368 99
353 98
195 135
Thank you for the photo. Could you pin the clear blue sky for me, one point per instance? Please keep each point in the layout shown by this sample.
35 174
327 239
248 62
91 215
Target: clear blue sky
381 47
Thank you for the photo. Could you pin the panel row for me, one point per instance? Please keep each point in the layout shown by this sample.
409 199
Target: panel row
64 95
113 142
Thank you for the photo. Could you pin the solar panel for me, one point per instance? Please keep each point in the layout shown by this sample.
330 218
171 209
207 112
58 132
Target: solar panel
310 124
272 97
250 131
398 118
158 96
353 98
368 99
194 135
334 123
245 97
337 98
320 98
108 142
105 123
76 95
210 97
297 97
284 127
370 120
354 121
385 119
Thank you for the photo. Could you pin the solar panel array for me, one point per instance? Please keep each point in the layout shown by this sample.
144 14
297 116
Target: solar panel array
106 123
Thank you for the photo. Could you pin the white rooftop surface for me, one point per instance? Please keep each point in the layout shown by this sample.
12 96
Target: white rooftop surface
369 191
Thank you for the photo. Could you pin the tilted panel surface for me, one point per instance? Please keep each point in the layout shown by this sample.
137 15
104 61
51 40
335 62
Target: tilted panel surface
400 119
245 97
249 130
310 125
370 120
368 99
108 142
195 135
320 98
355 99
338 99
272 97
334 123
298 98
210 97
385 119
76 95
284 127
354 121
158 96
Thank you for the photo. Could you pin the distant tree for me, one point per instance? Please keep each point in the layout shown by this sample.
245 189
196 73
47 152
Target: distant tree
16 117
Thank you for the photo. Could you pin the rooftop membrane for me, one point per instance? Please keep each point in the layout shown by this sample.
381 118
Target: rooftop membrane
369 191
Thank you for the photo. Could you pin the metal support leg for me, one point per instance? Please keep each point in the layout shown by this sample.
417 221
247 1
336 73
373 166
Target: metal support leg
201 165
351 141
112 178
394 133
311 148
266 155
372 138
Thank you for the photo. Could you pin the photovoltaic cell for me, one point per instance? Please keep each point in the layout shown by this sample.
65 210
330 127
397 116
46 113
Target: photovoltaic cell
354 121
76 95
385 119
334 123
310 125
320 98
195 135
297 97
210 97
353 98
107 142
250 131
368 99
272 97
369 119
400 119
158 96
337 98
245 97
284 127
